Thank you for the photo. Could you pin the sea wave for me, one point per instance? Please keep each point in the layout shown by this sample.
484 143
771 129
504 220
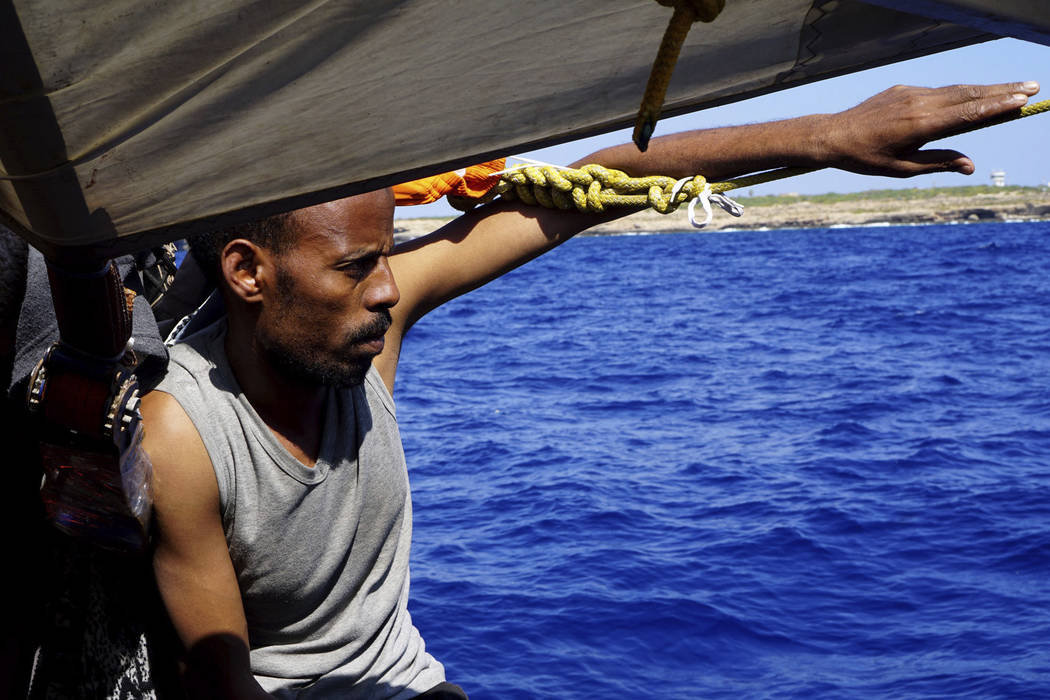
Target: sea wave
763 464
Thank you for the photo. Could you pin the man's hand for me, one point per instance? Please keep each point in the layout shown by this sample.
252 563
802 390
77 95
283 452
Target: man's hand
884 134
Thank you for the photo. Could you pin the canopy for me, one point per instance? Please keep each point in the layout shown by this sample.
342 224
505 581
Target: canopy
124 123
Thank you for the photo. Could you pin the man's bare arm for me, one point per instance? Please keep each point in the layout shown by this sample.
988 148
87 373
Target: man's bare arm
191 561
884 135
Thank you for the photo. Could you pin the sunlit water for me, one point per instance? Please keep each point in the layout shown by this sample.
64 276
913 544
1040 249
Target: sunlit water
788 464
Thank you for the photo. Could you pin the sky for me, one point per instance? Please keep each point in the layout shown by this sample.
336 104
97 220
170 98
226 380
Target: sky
1021 148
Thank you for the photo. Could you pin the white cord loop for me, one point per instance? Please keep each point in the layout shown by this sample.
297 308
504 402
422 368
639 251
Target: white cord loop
706 197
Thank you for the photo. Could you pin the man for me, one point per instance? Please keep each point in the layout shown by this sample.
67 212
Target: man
282 503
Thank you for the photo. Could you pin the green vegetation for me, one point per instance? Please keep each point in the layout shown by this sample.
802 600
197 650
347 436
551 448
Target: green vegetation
909 194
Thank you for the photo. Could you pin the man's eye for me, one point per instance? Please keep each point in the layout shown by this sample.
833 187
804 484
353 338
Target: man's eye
357 268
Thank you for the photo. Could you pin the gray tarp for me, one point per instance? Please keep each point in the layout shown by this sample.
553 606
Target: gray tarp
126 121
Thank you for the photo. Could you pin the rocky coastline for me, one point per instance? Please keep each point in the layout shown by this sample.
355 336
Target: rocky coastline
909 207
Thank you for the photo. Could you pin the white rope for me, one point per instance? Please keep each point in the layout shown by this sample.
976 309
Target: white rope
526 162
705 199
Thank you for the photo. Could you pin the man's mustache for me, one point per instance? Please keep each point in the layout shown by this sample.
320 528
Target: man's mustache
379 325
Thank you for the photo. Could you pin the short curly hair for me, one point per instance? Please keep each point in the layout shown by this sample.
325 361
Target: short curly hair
275 233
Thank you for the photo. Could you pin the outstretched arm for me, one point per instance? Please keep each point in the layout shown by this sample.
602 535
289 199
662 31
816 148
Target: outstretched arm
884 135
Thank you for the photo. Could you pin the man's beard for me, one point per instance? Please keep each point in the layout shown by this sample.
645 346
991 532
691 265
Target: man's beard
301 359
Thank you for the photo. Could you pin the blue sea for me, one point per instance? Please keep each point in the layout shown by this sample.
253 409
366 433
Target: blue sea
780 464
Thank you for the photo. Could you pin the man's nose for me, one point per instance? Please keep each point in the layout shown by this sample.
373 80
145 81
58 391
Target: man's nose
382 291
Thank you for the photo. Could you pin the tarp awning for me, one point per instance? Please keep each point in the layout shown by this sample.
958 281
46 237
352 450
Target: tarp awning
123 122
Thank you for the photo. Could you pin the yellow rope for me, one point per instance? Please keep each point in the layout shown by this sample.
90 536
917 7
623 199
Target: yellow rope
686 12
593 188
1026 111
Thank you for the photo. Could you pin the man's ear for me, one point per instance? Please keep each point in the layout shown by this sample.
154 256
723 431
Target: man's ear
243 263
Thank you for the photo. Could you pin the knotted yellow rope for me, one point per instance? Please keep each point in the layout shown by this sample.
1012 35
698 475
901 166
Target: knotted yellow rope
592 188
686 12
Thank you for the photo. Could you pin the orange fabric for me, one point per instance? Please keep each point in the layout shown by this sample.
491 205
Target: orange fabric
467 182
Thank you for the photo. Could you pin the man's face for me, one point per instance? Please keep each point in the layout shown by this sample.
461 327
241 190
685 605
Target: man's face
324 320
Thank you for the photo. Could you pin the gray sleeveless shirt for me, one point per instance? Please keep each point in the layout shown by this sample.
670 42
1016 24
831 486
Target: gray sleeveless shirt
321 553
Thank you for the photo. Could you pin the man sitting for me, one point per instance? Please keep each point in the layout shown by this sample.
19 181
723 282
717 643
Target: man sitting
282 501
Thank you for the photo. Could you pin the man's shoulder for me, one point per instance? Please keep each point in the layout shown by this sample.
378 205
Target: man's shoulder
203 346
192 360
375 389
171 438
181 414
198 379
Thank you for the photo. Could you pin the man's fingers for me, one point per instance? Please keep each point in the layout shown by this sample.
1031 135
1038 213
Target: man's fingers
964 116
959 94
964 106
936 160
991 106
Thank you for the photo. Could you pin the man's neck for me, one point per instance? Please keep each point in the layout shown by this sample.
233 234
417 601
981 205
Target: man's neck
292 410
